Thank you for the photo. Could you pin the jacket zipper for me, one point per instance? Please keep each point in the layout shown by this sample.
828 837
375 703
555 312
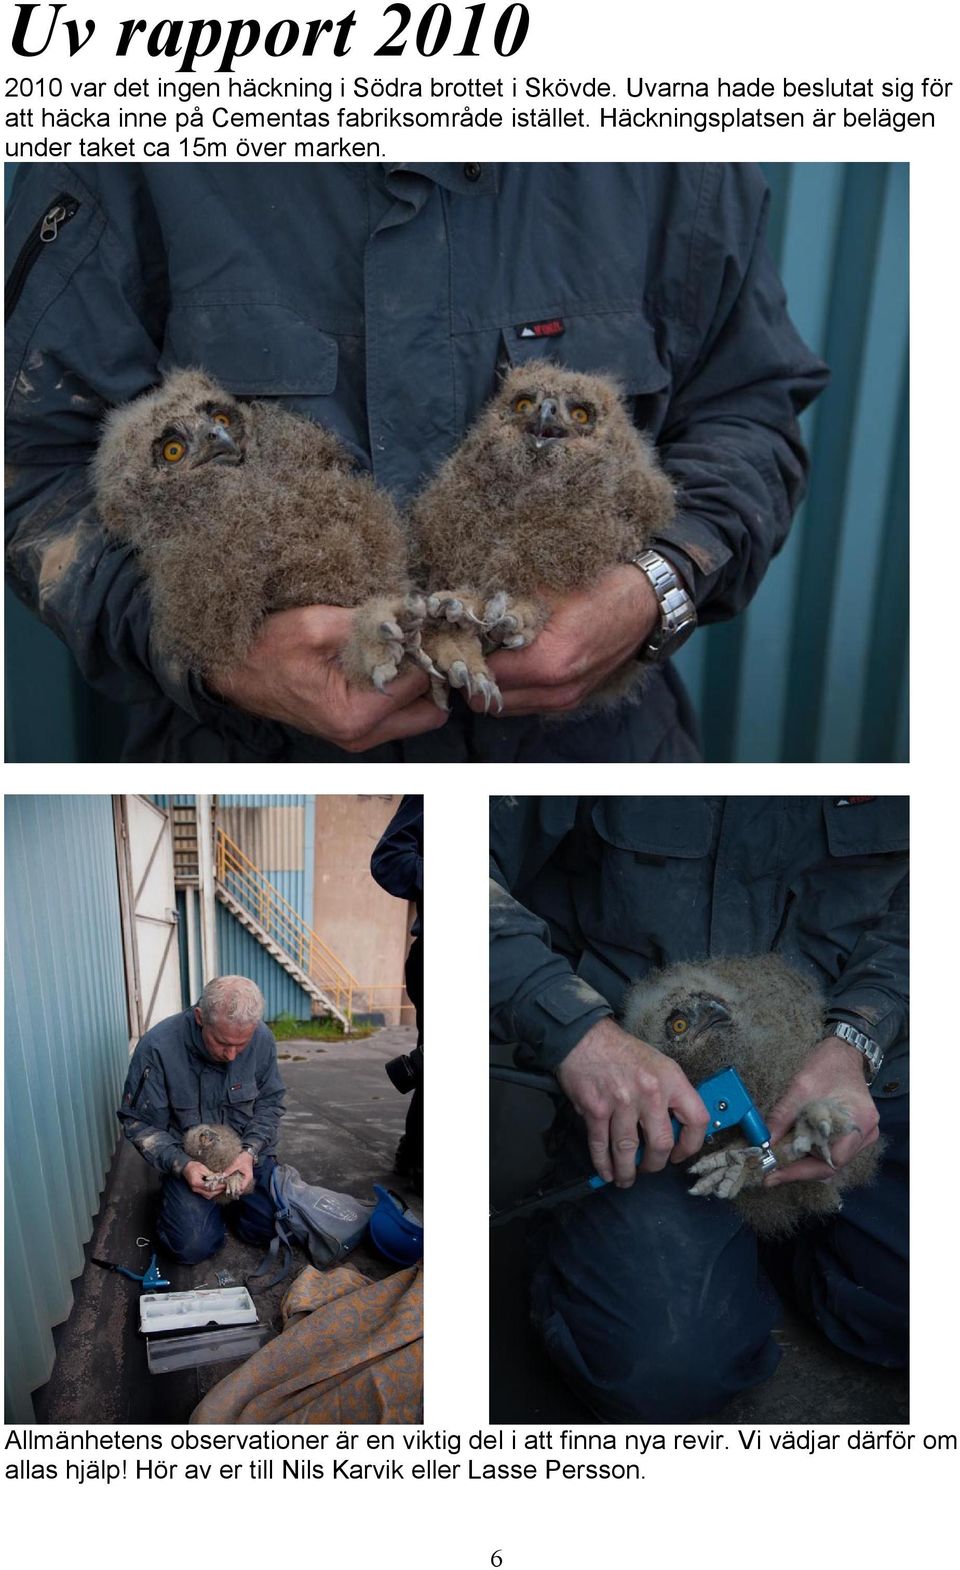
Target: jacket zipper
64 208
140 1084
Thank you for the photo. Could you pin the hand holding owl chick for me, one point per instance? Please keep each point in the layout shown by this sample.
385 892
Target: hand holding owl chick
551 489
767 1019
238 511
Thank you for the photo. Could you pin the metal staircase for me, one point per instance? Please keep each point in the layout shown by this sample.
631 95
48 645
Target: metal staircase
278 927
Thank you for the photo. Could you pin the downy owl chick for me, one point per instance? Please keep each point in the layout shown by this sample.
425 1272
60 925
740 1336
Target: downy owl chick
217 1146
764 1018
551 486
241 509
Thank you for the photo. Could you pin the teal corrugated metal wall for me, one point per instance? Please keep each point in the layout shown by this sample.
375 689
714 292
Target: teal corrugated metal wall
65 1057
816 668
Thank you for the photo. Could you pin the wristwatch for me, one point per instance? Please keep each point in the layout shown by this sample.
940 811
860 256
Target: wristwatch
678 614
870 1050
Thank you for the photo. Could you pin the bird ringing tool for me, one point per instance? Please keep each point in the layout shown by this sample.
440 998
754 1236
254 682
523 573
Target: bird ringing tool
151 1277
724 1095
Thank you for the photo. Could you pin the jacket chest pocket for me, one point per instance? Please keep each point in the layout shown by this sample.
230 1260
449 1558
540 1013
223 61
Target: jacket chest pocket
186 1114
253 349
241 1097
618 343
651 892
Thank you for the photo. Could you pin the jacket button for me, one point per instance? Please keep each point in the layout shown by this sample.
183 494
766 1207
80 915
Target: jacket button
891 1086
472 171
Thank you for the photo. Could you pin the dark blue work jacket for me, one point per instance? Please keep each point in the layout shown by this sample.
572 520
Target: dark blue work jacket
383 301
590 893
173 1084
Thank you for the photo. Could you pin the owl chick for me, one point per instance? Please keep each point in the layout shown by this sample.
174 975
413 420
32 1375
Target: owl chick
551 486
238 510
763 1018
217 1147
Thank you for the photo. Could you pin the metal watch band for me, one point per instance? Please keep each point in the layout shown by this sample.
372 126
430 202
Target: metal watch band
678 614
870 1050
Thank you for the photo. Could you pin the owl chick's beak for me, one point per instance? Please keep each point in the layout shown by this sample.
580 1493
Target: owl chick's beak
217 446
710 1013
546 427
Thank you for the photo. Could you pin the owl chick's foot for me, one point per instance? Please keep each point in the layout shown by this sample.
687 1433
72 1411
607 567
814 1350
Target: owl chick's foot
233 1186
385 631
818 1124
457 609
724 1173
456 653
511 624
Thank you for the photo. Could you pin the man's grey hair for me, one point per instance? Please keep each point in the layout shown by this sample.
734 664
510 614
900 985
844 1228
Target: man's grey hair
231 999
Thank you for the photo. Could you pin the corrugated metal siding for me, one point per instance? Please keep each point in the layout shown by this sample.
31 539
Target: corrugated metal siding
65 1052
276 832
241 955
816 668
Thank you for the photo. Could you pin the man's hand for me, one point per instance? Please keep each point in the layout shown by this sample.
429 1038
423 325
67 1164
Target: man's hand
833 1071
590 634
616 1082
292 673
244 1166
200 1180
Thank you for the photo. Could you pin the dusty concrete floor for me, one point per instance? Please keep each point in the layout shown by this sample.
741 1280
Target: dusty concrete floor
341 1127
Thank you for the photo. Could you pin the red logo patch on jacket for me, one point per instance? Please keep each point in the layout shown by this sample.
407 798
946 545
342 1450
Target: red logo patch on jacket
853 801
554 328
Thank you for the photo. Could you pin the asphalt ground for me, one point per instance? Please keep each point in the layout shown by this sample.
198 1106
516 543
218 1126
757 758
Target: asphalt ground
342 1123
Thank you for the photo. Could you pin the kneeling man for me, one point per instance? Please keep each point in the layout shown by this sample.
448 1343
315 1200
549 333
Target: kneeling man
216 1064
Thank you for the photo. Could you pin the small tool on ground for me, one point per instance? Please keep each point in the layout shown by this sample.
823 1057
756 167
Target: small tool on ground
151 1277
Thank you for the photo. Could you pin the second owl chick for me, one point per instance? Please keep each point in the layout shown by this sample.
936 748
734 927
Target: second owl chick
238 510
765 1018
551 486
217 1146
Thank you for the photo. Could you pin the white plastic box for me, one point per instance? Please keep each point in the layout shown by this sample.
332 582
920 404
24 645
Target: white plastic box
198 1310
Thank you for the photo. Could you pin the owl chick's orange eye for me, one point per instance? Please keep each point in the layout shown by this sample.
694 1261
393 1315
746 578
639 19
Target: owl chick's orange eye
678 1025
173 451
579 415
522 405
222 418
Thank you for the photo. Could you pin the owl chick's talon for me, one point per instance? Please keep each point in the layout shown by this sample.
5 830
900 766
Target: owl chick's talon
818 1124
494 609
490 692
440 694
452 608
459 676
383 675
723 1173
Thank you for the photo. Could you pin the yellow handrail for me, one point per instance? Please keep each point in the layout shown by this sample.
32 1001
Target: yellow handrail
281 921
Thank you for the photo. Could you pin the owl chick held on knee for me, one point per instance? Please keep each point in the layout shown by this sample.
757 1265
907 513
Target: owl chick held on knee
764 1018
216 1146
238 510
552 486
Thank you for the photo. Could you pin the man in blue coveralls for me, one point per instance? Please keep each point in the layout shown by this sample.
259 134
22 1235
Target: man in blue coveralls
216 1063
656 1306
384 301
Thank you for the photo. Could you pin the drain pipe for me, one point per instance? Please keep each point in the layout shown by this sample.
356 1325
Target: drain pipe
190 899
208 898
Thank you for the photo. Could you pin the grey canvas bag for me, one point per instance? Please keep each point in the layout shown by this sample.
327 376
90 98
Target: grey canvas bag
326 1224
